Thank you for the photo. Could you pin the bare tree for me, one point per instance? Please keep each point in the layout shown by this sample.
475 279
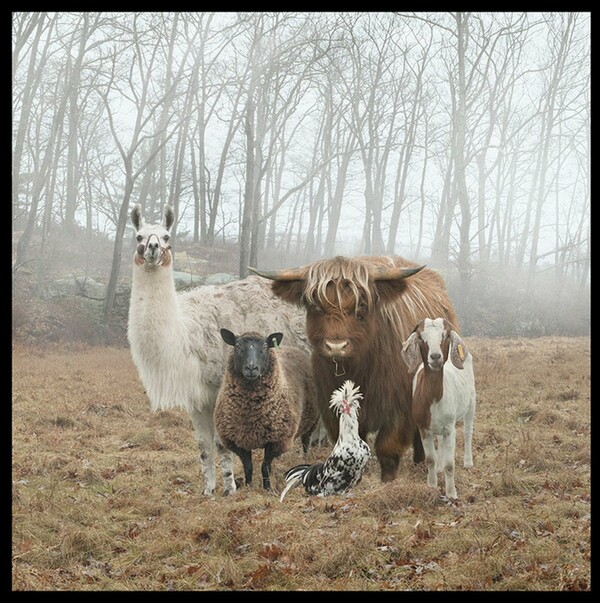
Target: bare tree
145 106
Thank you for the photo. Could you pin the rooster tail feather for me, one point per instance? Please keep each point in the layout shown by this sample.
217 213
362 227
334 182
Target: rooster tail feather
293 477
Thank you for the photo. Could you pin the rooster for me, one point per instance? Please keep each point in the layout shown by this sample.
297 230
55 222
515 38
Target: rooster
344 467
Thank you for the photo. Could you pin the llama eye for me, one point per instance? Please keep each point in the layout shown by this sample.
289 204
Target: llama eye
139 238
166 238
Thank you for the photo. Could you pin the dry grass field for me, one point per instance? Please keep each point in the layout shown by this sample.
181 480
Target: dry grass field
106 495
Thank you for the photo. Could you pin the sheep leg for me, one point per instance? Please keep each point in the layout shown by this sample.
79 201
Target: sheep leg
468 435
246 458
430 456
448 450
204 431
272 451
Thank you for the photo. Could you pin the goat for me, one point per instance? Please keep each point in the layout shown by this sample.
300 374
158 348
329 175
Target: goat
443 394
266 400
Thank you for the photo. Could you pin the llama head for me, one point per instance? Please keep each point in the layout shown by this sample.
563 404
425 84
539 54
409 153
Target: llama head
153 240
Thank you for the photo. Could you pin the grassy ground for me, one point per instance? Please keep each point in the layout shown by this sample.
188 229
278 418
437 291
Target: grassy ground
106 494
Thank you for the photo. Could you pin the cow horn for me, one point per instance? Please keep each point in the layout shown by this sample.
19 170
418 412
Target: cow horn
393 274
286 274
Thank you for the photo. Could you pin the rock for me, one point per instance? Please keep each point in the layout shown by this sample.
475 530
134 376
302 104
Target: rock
82 286
186 279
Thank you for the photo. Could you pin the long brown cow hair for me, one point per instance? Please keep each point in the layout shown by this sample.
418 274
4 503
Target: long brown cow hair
368 306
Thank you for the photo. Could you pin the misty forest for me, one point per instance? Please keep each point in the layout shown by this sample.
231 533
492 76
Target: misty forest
458 140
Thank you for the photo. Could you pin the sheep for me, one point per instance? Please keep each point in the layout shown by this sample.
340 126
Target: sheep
174 345
266 400
443 394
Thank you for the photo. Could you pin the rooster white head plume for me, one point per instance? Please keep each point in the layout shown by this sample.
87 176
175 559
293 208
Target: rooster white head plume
346 399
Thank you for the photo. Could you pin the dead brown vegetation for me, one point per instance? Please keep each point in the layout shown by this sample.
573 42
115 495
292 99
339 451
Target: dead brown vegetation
106 495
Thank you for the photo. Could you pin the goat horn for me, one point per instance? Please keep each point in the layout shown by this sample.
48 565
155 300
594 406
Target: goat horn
392 274
287 274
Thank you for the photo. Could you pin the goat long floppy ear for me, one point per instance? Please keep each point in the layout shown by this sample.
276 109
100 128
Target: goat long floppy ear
410 352
458 350
228 337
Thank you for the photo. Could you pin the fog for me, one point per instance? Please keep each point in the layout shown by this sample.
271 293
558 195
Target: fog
460 140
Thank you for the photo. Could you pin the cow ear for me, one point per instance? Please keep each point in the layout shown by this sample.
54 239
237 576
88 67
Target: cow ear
410 352
289 291
228 337
458 350
389 291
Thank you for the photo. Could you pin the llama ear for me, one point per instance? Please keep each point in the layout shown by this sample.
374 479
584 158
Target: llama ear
168 217
458 350
274 339
136 216
228 337
410 352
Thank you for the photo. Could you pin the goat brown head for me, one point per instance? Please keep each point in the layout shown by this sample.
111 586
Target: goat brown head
432 342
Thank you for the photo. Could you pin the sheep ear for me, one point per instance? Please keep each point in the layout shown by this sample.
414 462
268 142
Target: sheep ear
136 216
168 217
410 353
228 337
458 350
274 339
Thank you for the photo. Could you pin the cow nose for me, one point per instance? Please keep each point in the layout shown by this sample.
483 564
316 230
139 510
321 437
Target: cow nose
336 348
435 357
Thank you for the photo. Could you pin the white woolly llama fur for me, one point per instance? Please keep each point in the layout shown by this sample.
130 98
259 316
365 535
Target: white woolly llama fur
175 340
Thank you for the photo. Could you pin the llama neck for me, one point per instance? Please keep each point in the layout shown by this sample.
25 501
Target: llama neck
154 309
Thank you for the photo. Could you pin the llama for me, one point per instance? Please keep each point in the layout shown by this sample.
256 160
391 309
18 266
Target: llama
266 400
175 346
443 394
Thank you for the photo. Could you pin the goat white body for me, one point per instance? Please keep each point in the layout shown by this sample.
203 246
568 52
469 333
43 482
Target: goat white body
176 346
443 394
456 404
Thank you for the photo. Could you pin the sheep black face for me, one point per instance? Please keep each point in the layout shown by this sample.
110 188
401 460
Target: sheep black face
251 357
